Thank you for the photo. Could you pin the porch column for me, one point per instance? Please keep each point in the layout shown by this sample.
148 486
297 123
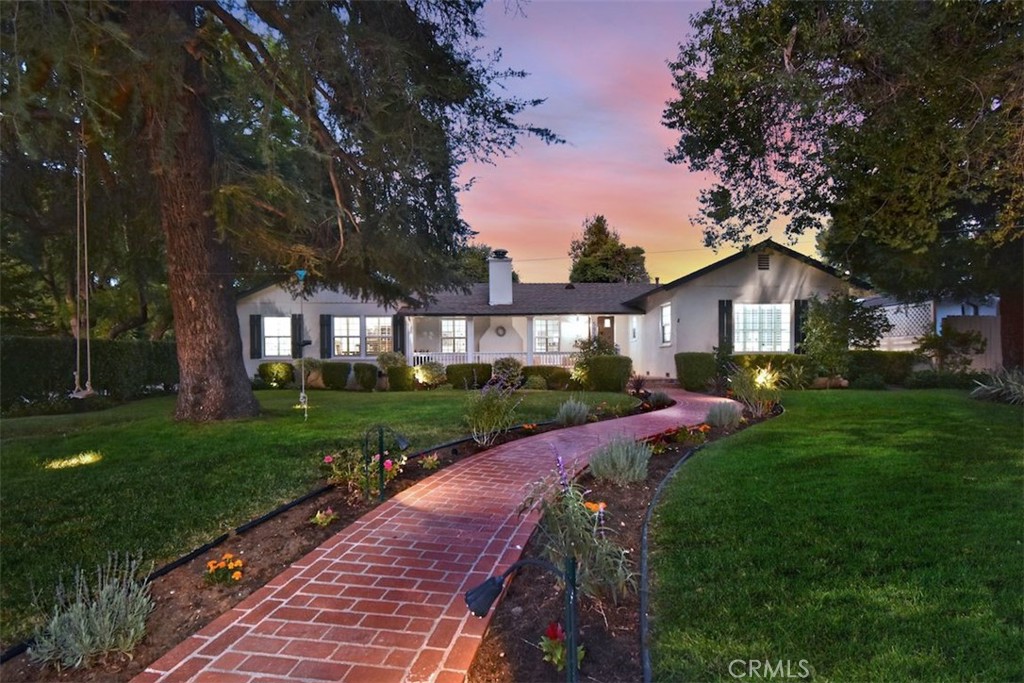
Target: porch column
410 335
470 341
529 340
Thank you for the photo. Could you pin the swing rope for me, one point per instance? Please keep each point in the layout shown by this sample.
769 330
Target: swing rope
82 274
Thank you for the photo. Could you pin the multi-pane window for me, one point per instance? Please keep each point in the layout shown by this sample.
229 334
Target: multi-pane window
545 334
378 335
666 323
761 327
346 336
277 336
453 335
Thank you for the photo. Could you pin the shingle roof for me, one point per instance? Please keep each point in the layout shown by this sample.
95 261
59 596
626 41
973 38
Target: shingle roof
538 299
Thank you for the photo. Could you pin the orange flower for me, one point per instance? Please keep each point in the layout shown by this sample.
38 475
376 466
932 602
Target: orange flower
237 576
595 507
227 556
211 565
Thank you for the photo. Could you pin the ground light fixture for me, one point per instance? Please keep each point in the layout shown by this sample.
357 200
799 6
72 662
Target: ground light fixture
482 597
385 435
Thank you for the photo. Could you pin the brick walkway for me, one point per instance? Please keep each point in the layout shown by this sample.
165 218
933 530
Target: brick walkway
383 600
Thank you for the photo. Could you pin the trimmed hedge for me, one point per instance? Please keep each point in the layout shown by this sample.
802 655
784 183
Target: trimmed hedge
277 374
366 375
609 373
694 370
894 367
335 374
36 367
468 375
554 376
401 378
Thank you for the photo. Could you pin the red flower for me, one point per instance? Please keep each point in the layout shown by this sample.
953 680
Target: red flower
555 631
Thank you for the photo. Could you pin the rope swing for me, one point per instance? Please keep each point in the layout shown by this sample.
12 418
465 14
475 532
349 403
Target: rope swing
82 278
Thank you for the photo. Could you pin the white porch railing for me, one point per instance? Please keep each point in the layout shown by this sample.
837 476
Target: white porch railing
561 358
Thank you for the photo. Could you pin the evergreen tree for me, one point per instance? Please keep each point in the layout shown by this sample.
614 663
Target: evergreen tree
599 255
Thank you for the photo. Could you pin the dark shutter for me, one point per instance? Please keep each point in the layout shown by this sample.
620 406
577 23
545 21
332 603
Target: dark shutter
255 336
799 318
297 334
326 336
725 323
398 334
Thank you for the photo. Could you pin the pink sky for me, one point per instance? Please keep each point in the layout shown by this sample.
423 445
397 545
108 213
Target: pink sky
602 66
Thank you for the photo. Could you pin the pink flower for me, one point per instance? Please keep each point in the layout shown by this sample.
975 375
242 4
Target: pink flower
328 459
388 465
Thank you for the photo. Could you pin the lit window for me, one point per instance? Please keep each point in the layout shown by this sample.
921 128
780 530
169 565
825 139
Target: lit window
453 335
346 336
277 336
378 335
761 328
546 335
666 323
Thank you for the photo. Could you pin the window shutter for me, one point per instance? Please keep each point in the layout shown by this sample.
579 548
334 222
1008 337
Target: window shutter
398 334
326 338
800 307
725 324
255 336
297 335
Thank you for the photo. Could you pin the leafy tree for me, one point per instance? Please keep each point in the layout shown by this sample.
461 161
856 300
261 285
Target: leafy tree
893 128
599 255
276 136
474 266
836 325
951 349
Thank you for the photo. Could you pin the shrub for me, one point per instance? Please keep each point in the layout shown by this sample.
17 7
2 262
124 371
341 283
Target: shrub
1004 386
930 379
894 367
276 374
724 415
572 412
391 359
468 375
366 375
659 399
401 378
694 370
508 372
535 383
835 325
757 389
609 373
797 372
430 374
951 350
870 381
312 369
89 621
490 413
621 461
557 378
586 351
336 374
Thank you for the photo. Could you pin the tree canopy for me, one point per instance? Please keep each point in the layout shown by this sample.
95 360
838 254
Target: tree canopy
474 264
598 255
894 129
253 138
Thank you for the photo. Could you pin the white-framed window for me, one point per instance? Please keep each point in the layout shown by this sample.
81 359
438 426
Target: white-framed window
546 334
633 328
378 335
453 335
762 328
277 336
346 336
666 323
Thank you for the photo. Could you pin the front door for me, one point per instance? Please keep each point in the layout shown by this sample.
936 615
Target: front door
606 328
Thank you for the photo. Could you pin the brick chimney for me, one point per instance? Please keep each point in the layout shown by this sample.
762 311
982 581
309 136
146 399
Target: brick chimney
499 277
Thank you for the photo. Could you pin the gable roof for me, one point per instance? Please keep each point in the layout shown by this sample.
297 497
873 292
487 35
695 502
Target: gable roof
743 253
538 299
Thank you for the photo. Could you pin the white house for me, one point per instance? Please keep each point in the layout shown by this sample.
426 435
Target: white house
754 298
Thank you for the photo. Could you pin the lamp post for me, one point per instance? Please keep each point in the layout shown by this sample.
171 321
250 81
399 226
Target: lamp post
482 597
303 399
380 430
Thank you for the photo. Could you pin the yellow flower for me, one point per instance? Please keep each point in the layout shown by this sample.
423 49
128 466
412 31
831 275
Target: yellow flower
237 576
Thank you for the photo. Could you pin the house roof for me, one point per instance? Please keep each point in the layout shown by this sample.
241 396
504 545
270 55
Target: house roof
538 299
638 302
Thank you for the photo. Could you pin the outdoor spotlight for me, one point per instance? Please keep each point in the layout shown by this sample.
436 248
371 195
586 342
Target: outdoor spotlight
480 599
401 442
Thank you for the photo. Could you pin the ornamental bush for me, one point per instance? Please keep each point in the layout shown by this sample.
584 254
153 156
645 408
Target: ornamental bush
335 374
490 413
609 373
400 378
894 367
366 375
557 378
468 375
621 461
1004 386
508 372
725 415
430 374
572 412
694 370
276 374
535 383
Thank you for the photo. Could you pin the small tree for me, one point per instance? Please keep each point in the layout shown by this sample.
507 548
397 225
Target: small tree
951 350
587 350
838 324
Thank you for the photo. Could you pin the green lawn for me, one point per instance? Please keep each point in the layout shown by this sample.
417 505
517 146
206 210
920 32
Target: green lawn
165 488
872 535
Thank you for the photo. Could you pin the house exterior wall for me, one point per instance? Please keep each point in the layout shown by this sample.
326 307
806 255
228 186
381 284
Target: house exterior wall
277 302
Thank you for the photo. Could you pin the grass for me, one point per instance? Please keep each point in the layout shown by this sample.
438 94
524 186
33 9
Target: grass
134 480
869 535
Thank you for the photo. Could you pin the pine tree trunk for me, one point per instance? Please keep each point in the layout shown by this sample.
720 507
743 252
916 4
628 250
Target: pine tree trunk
214 384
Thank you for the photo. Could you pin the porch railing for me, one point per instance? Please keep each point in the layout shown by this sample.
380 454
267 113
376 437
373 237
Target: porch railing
561 358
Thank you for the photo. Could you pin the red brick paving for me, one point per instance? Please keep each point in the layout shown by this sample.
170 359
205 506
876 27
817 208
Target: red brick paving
382 600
